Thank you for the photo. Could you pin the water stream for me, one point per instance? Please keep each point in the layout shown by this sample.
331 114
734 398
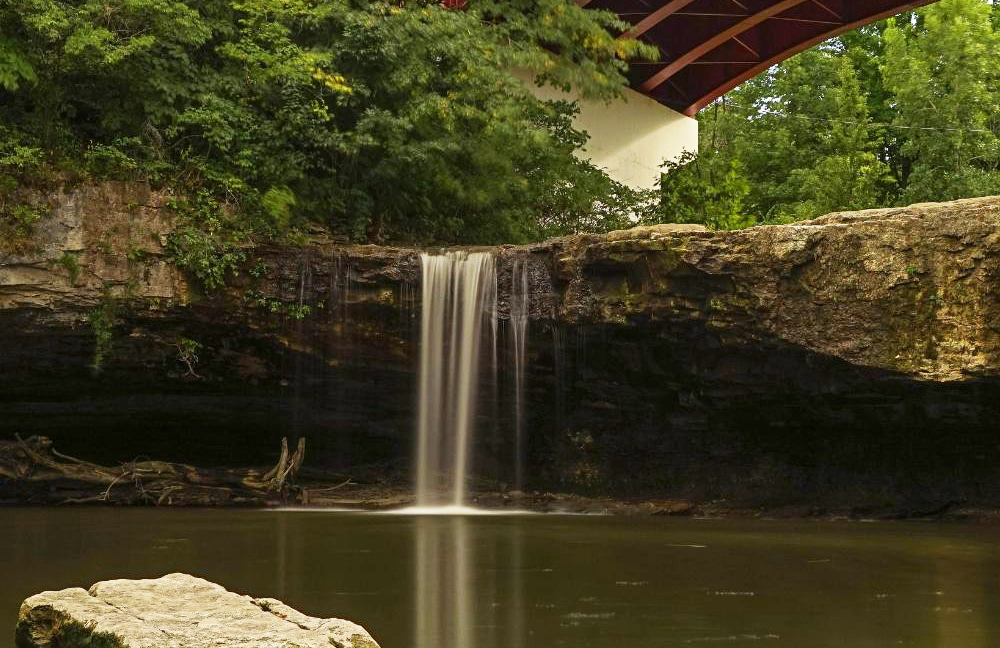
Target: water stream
519 316
459 296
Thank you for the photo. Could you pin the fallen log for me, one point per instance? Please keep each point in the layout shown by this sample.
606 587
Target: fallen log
33 472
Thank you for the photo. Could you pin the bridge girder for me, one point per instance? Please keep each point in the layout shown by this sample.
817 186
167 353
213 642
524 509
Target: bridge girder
708 47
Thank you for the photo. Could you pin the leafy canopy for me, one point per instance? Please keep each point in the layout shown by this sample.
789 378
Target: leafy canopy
902 111
944 70
398 120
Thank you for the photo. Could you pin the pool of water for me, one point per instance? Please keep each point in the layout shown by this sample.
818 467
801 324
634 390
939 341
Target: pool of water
544 581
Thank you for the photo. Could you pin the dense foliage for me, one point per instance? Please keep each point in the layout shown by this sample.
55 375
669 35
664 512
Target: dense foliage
406 120
903 111
381 119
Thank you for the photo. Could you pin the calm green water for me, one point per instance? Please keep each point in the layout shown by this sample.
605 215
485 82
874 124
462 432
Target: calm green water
545 581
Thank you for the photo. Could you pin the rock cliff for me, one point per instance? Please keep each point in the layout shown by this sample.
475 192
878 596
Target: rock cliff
854 357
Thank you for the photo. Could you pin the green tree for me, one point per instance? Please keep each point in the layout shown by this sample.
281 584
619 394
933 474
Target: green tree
708 189
14 68
801 136
942 70
899 111
865 49
441 139
398 120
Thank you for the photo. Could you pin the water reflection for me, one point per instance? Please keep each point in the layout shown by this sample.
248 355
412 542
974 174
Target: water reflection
468 589
511 581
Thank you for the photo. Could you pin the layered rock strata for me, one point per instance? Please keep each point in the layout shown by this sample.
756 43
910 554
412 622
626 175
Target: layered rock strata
854 357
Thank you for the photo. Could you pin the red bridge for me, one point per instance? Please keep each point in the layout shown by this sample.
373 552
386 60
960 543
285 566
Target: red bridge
708 47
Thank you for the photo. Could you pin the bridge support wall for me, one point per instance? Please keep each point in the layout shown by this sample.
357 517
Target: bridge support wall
631 137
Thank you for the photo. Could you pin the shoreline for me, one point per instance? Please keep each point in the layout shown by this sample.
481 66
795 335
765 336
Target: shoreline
362 498
34 474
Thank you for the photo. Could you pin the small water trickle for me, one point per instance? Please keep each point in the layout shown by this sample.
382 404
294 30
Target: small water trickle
459 296
333 292
305 274
519 316
406 301
407 311
559 361
348 277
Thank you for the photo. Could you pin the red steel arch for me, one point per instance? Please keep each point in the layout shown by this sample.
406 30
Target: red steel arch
708 47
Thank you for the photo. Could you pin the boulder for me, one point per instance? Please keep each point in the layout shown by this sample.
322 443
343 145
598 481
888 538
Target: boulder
175 611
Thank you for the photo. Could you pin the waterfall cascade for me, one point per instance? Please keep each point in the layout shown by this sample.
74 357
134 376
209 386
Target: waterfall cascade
519 305
459 295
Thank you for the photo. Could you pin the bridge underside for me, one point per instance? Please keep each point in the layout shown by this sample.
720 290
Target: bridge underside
708 47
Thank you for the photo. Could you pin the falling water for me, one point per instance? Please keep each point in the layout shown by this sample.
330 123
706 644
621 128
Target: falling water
559 362
459 293
519 306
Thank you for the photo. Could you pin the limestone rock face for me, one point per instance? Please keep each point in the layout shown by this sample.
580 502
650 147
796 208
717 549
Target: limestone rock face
783 363
176 611
97 240
914 290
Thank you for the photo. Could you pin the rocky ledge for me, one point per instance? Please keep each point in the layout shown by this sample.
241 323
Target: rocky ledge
849 360
176 611
912 290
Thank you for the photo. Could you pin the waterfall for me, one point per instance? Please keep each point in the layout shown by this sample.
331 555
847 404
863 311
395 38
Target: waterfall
519 311
459 293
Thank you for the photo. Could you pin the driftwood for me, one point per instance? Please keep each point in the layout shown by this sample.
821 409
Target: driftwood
32 471
275 479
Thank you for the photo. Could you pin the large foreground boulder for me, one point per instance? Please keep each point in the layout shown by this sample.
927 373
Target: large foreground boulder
176 611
